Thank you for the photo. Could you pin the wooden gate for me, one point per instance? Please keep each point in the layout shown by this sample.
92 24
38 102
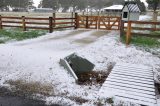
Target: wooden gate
109 23
99 22
89 22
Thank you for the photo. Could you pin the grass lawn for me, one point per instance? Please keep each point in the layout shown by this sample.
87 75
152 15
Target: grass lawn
142 41
18 34
155 33
145 41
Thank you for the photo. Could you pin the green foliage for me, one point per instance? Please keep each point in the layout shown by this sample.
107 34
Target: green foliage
153 4
20 35
1 41
144 41
140 4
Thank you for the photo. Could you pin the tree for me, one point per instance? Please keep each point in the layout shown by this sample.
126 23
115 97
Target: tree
3 5
78 4
50 4
20 3
154 4
141 5
15 4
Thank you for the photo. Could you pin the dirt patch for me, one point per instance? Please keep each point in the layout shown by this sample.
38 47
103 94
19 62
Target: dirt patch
23 88
94 77
158 88
76 32
78 100
86 40
102 102
92 38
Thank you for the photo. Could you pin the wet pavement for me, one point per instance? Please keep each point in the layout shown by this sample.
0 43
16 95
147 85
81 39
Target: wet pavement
9 99
17 101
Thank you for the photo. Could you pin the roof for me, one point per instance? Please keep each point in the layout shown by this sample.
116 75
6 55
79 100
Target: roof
114 7
132 7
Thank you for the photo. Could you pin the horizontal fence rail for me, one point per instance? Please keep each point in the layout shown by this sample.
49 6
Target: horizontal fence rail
49 24
139 28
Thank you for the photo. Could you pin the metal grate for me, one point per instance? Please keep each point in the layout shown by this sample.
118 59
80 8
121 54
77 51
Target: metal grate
133 83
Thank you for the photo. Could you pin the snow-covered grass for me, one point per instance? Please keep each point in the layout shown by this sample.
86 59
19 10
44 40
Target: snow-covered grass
37 60
147 17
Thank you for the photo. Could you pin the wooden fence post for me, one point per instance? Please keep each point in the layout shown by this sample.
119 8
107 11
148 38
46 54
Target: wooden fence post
50 24
87 22
72 16
98 20
91 13
121 28
109 25
119 23
1 22
98 13
54 21
154 27
76 21
23 23
128 36
83 13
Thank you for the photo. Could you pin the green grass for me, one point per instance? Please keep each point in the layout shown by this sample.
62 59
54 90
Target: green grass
17 34
1 41
144 41
155 33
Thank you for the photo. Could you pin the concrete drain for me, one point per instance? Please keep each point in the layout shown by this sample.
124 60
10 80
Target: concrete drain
76 65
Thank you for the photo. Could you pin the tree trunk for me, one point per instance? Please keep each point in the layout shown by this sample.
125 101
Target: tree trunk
155 15
74 9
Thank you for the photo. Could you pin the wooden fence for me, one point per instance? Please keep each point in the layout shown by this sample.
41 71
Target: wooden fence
49 24
82 21
53 23
139 28
99 22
